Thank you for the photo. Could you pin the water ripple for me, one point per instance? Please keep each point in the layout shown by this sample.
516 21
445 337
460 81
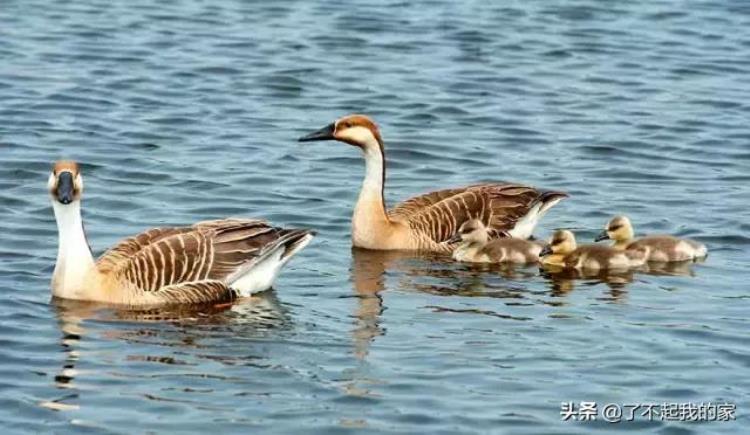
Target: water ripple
183 111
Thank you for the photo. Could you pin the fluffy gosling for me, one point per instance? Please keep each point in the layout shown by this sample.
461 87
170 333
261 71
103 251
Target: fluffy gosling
475 246
562 251
662 248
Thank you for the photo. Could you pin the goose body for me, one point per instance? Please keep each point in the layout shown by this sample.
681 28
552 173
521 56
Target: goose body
427 222
211 261
563 252
474 246
661 248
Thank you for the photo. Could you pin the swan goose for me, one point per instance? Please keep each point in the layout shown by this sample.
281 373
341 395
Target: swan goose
563 252
427 222
662 248
474 246
213 261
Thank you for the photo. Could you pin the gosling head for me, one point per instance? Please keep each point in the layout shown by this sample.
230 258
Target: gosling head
471 231
563 242
357 130
618 229
65 183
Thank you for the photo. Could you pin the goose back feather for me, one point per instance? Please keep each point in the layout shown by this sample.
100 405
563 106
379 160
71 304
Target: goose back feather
197 263
436 216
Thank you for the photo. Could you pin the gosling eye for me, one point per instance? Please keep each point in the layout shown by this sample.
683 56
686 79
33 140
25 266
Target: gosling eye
615 228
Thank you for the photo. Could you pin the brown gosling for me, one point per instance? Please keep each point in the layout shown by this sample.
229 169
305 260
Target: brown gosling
209 262
562 251
427 222
475 246
662 248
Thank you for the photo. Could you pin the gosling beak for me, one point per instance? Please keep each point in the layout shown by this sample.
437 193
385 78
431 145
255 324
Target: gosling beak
64 191
325 133
455 239
602 236
547 250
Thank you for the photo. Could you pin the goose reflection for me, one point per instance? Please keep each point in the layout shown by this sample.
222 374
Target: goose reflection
262 309
470 279
563 281
674 268
368 277
427 273
438 275
251 317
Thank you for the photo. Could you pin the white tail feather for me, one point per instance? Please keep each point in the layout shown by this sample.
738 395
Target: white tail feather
263 273
700 249
524 228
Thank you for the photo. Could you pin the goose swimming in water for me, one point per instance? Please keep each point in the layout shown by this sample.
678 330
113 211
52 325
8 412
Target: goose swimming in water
563 252
474 246
427 222
212 261
661 248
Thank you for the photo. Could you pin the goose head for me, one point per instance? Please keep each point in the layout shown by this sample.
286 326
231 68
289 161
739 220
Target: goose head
357 130
618 229
65 183
563 242
471 231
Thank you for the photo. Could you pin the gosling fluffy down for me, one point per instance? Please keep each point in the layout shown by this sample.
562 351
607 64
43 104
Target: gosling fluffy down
562 251
661 248
474 246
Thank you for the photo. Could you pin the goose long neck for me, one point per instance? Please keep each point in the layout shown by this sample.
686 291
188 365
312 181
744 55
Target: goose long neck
74 259
371 200
371 227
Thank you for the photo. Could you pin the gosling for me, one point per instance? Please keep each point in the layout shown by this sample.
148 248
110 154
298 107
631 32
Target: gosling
662 248
475 246
563 252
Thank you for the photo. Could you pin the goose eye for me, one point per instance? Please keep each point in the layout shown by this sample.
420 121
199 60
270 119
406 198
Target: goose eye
615 228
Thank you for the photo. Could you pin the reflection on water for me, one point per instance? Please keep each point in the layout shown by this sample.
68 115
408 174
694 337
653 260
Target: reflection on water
249 317
185 111
261 311
563 281
368 277
438 275
675 268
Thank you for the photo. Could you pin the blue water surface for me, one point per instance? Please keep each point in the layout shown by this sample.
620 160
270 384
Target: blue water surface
188 110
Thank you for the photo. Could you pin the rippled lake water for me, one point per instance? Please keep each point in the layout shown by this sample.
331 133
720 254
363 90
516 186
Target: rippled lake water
189 110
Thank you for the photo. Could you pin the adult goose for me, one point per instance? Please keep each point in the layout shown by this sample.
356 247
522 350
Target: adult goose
212 261
427 222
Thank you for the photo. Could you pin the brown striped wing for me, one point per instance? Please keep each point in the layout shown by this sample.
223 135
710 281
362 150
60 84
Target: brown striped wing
439 214
200 292
120 254
190 260
419 203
